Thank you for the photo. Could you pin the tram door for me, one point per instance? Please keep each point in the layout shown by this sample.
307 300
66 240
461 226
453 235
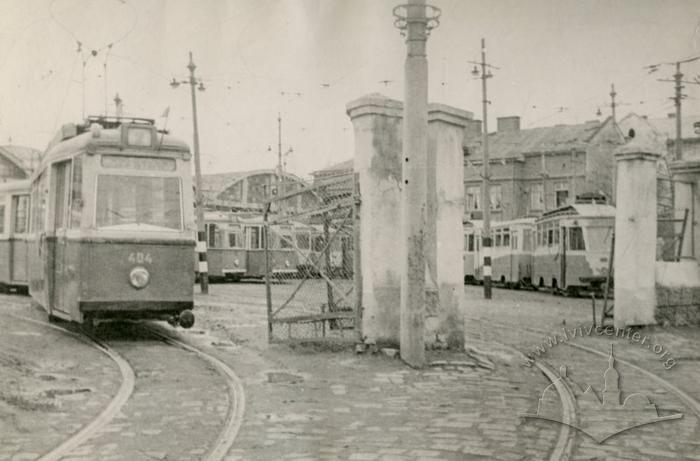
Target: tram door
56 238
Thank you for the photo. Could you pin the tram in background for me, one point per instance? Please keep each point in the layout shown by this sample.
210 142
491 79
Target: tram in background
572 247
511 252
14 223
310 243
112 224
236 247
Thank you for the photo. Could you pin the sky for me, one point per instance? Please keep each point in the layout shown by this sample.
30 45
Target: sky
304 60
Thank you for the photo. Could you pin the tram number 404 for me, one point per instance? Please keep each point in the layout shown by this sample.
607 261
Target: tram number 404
140 258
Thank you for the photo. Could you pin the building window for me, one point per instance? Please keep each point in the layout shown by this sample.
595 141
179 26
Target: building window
561 190
496 197
473 198
536 197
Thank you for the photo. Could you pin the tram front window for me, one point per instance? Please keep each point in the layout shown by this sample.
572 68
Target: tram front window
141 200
599 238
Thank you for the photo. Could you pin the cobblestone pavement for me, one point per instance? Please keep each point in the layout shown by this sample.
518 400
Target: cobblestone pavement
313 402
51 384
665 440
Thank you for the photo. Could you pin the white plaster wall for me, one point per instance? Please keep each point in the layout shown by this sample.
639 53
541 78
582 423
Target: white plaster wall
635 238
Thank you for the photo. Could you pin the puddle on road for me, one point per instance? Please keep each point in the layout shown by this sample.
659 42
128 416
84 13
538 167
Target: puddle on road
282 377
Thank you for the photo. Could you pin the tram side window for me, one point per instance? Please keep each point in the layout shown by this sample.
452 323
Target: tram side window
285 241
550 237
470 244
498 238
235 240
256 238
302 241
76 202
506 237
527 240
514 241
2 219
318 243
466 242
213 236
576 239
20 205
39 201
556 235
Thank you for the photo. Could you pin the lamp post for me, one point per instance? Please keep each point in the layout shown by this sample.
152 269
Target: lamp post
485 74
199 198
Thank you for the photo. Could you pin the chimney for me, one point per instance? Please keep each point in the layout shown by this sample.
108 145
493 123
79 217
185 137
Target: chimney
508 124
473 129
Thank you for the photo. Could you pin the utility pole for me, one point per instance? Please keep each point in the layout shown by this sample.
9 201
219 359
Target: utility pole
485 186
677 100
199 198
415 20
678 96
612 99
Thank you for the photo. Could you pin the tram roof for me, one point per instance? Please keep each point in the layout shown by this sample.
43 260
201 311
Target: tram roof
478 224
110 132
584 210
15 185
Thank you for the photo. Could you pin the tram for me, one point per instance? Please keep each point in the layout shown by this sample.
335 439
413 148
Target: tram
572 247
511 252
236 247
310 243
14 225
112 224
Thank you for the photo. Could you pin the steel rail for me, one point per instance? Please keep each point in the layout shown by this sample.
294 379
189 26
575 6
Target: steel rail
236 396
564 447
689 401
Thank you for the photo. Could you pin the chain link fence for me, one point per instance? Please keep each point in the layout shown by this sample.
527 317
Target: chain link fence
317 301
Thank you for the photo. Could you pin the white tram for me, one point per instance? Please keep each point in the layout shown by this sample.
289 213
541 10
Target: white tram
14 225
112 224
511 252
572 247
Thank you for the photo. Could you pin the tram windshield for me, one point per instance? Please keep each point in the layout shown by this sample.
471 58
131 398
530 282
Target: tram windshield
140 200
599 238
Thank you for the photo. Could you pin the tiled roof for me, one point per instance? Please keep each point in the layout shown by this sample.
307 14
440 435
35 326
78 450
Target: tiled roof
508 144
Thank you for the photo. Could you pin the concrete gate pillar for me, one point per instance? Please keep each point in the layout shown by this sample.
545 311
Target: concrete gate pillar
635 235
378 130
444 230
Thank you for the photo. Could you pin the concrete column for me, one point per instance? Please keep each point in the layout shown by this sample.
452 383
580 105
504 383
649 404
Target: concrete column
413 198
378 127
444 230
635 235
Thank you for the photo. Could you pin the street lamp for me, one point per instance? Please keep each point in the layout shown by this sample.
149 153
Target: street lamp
199 199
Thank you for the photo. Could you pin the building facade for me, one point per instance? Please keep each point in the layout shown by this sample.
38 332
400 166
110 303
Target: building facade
539 169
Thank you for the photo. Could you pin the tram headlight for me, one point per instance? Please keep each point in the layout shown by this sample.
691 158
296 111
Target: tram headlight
139 277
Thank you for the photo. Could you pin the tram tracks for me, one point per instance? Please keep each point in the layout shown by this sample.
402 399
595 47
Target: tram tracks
236 396
565 446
